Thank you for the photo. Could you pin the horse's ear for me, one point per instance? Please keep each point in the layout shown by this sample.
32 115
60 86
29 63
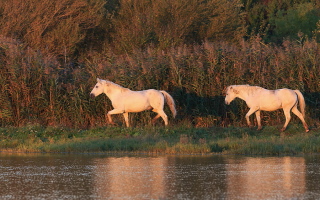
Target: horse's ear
224 91
229 88
233 90
98 80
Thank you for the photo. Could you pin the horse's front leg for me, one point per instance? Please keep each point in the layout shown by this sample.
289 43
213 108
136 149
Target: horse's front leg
110 120
258 119
250 112
126 118
111 112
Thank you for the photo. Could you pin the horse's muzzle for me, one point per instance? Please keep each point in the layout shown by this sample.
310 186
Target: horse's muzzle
92 95
226 102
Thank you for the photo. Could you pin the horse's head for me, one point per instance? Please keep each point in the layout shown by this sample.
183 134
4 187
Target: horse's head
98 88
231 94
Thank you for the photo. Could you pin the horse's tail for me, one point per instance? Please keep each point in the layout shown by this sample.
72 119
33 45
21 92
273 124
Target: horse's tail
170 102
302 103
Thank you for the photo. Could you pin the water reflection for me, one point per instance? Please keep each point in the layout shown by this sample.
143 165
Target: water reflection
50 176
130 177
266 177
201 177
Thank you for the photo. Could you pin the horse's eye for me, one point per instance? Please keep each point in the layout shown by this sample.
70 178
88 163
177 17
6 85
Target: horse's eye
97 86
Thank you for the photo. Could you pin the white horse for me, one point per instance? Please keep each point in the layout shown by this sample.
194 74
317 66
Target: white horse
125 100
258 98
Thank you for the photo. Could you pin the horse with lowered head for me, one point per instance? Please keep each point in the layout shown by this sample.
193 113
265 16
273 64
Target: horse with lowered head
125 100
258 98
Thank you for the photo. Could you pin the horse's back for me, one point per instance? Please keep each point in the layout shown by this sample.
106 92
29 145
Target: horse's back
142 99
152 93
270 100
286 94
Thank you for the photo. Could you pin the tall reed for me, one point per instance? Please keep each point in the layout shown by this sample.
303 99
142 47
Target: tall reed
36 89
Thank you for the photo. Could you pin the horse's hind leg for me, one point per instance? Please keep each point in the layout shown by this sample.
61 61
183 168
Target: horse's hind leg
155 118
163 115
298 113
288 117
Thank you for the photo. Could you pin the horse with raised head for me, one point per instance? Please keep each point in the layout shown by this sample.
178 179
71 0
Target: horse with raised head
125 100
258 98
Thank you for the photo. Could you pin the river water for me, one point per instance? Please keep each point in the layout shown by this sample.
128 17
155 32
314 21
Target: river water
58 176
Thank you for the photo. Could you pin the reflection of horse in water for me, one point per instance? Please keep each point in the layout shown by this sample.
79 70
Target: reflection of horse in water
249 177
258 98
125 100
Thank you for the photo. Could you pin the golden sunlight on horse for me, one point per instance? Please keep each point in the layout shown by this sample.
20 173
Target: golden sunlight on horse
125 100
258 98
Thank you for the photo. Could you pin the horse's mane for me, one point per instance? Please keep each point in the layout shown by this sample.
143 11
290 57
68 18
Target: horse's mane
247 88
116 86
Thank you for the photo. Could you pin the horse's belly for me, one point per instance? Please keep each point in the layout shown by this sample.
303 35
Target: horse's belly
137 108
270 105
137 105
270 108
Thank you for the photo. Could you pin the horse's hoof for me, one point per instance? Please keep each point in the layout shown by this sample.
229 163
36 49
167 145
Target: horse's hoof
307 130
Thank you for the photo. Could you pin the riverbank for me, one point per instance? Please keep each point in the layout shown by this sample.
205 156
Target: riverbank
162 140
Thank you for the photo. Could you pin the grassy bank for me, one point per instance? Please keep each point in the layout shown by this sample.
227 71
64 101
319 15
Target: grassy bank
171 140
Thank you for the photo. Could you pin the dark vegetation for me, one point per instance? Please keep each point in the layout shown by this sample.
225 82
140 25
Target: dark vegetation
51 53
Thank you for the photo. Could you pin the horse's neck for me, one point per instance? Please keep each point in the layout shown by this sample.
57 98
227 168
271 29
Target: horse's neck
114 90
242 95
245 93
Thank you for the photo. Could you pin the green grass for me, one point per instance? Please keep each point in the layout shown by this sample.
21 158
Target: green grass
163 140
